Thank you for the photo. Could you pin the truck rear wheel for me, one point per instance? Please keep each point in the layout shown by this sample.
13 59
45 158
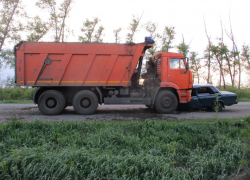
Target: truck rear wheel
85 102
166 102
51 102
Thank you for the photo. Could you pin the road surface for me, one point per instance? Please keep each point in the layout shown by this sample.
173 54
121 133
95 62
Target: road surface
29 112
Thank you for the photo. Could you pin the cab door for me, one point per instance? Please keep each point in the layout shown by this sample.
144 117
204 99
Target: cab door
177 72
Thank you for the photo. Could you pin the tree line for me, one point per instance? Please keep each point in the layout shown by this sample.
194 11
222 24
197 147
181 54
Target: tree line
217 57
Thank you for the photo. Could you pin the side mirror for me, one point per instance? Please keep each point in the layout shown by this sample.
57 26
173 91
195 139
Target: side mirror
187 60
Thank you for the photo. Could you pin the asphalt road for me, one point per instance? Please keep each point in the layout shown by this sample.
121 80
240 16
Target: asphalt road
29 112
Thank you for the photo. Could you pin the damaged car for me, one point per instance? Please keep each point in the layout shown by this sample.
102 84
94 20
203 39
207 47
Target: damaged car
204 96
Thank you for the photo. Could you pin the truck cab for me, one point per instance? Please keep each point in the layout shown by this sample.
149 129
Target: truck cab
171 73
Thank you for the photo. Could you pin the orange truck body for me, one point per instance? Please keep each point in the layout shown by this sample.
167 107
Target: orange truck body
76 64
96 67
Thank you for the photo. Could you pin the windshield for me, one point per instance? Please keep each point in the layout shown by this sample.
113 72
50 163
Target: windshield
215 89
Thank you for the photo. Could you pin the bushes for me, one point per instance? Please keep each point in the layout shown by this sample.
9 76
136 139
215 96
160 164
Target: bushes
16 93
242 93
119 150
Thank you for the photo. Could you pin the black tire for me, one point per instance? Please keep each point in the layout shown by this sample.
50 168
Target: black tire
51 102
85 102
166 102
215 105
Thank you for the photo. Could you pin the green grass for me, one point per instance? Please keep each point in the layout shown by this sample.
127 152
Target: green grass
17 102
120 150
243 99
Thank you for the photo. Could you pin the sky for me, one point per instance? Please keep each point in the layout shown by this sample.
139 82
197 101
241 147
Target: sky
187 16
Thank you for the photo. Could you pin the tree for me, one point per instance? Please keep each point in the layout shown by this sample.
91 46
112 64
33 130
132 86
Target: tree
219 52
167 38
116 33
151 29
57 16
9 28
230 64
10 82
245 55
89 31
208 62
195 65
7 57
133 27
235 53
183 48
208 55
38 29
98 34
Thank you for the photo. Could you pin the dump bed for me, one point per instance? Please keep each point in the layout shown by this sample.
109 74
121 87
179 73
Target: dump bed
76 64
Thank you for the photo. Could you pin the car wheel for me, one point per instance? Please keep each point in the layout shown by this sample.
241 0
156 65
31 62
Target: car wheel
85 102
51 102
214 105
166 102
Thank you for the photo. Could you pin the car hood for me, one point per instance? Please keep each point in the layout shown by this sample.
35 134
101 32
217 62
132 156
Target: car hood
227 93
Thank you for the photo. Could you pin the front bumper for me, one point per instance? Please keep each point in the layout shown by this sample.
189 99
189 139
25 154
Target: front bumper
235 102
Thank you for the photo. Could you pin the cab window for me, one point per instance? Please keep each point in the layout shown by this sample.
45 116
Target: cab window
174 63
177 64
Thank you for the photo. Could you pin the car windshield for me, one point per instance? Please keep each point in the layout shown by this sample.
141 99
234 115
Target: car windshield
216 90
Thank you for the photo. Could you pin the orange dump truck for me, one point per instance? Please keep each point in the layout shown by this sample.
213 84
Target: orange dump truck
87 74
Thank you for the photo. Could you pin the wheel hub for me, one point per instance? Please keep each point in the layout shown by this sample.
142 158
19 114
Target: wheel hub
85 102
51 103
166 102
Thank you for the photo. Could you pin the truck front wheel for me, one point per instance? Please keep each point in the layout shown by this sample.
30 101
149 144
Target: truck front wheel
166 102
85 102
51 102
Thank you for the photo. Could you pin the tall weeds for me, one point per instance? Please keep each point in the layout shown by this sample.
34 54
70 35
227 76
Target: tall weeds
119 150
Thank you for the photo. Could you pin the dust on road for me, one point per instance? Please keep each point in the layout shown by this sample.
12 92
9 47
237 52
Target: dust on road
29 112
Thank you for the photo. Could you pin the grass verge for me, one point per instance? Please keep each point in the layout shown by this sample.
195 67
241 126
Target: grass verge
243 99
121 150
16 102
